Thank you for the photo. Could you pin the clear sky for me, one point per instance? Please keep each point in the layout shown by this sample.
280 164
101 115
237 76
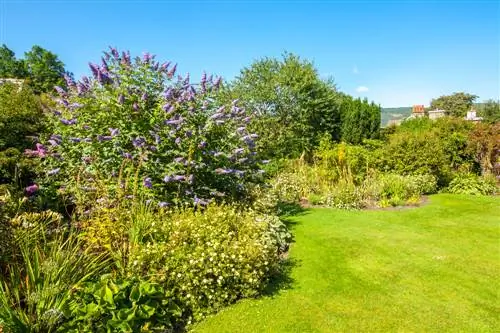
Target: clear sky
397 53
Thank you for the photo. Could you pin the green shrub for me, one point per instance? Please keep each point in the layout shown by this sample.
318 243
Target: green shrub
396 190
468 183
344 162
207 259
21 120
345 196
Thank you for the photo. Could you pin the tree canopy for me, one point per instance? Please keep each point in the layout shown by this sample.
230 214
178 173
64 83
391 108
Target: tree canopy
296 105
456 104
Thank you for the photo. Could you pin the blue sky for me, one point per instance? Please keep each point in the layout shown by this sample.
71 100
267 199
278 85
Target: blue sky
397 53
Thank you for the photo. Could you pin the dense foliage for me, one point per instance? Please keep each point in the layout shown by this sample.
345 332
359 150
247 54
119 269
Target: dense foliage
359 120
164 214
456 104
21 120
171 136
294 106
40 68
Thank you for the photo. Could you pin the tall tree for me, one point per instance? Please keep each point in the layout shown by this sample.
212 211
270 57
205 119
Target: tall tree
44 69
456 104
10 67
360 119
490 111
294 105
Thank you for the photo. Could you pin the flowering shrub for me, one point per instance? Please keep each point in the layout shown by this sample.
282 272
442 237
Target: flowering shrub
207 259
136 114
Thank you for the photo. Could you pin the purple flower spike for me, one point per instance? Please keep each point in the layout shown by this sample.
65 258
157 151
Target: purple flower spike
247 119
53 172
218 82
104 65
241 129
60 91
179 159
135 106
178 141
163 204
95 70
146 57
75 140
53 142
30 190
69 81
168 93
147 183
179 178
127 155
68 121
171 72
221 171
174 121
216 115
114 131
202 144
167 179
165 65
121 99
144 97
114 52
239 150
168 108
102 138
138 142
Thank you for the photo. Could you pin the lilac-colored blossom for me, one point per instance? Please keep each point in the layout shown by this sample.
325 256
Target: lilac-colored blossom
178 141
167 179
53 172
147 182
68 121
102 138
127 155
75 140
135 106
121 99
60 91
163 204
30 190
221 171
179 178
114 131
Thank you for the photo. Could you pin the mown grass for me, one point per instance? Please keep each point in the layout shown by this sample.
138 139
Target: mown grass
434 268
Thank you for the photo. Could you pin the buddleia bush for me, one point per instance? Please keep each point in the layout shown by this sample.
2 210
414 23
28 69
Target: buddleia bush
171 136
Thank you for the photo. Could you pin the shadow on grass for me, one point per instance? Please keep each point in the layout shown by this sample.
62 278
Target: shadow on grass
286 209
281 280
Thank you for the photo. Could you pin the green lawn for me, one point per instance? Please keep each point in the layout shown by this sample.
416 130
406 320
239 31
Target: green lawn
434 268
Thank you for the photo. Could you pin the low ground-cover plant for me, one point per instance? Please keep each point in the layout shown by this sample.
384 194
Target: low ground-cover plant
118 305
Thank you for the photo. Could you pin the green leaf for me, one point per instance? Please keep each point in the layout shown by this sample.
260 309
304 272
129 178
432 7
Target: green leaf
135 294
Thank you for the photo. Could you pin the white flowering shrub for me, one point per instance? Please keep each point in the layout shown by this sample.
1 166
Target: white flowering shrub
207 259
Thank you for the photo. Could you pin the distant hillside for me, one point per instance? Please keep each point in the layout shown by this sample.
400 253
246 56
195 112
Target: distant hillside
394 114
